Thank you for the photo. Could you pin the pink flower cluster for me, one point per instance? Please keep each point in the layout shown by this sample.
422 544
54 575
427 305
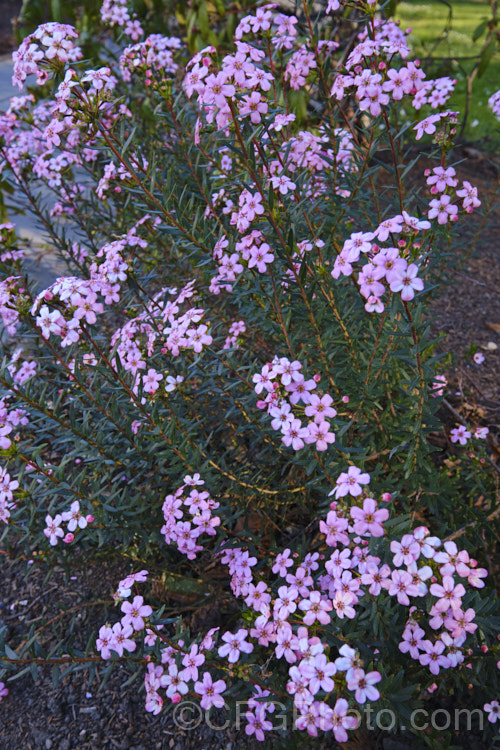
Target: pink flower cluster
25 372
447 624
152 58
77 297
7 487
116 13
160 326
9 419
180 667
443 182
184 527
11 290
376 84
384 263
235 329
251 250
315 592
120 637
50 43
74 520
461 434
283 385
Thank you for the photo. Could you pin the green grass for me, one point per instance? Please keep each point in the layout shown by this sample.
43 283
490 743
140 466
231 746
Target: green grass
443 44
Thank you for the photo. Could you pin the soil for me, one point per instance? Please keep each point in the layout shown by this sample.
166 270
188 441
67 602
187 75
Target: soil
76 715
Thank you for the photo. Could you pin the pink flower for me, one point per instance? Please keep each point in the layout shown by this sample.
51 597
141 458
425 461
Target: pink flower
412 641
427 126
121 639
469 194
3 691
406 282
350 483
174 682
481 433
438 386
460 435
104 642
191 662
234 643
320 408
405 551
492 709
448 594
478 358
475 576
443 209
320 434
348 662
368 520
294 434
433 656
53 531
257 724
342 603
452 560
334 527
253 105
135 612
341 721
395 224
363 685
401 585
316 608
319 672
282 562
259 257
210 691
74 517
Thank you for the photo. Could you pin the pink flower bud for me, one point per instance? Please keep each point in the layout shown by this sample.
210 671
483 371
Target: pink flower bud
68 538
89 518
317 377
484 649
386 497
345 399
176 698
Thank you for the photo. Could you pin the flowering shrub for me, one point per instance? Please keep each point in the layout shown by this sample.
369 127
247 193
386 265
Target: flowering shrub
249 241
